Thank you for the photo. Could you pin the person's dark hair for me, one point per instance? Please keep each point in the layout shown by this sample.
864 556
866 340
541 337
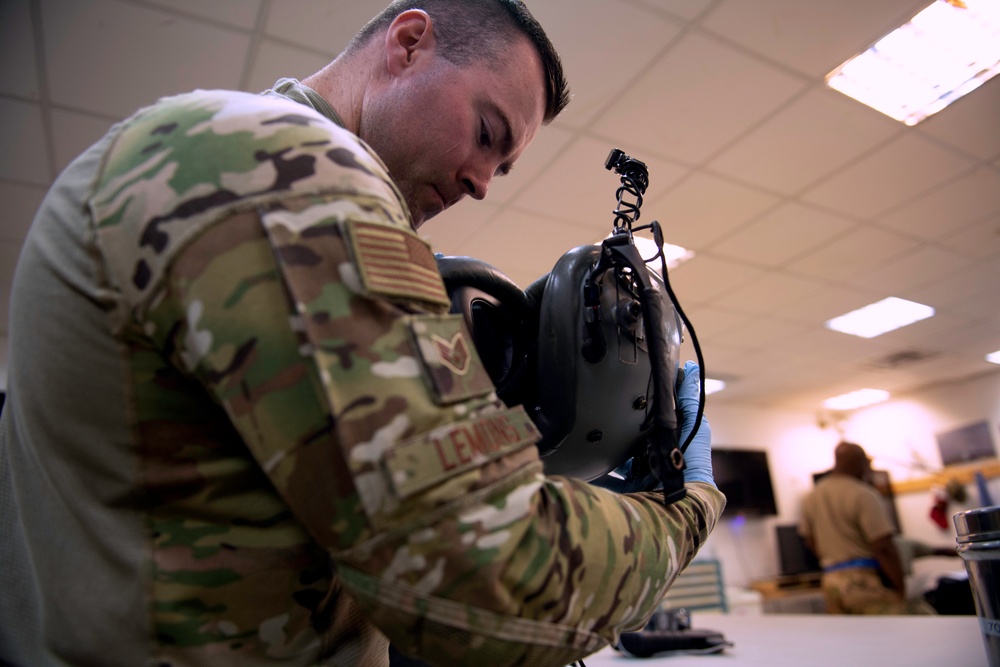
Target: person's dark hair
850 458
476 30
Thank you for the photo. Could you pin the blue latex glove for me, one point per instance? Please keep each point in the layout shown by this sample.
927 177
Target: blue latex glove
698 457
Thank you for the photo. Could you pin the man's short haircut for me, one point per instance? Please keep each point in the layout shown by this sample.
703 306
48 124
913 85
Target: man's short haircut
469 31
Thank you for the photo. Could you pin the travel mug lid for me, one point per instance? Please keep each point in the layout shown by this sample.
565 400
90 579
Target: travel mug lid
979 525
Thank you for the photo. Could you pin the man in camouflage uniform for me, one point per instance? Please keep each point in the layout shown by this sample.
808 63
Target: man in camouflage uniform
242 428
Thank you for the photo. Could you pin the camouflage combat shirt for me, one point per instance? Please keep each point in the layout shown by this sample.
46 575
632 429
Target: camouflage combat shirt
242 429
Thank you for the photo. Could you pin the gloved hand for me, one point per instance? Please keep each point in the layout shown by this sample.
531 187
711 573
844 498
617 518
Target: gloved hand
698 457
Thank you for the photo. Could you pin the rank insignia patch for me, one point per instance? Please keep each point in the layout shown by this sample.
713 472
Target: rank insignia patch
454 353
449 358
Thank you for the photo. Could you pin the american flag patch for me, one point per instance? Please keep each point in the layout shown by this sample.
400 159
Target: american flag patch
396 263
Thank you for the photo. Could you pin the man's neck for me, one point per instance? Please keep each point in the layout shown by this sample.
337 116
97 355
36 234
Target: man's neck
343 85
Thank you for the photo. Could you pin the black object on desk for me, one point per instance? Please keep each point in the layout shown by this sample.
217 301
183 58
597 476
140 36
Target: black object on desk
952 596
669 631
648 643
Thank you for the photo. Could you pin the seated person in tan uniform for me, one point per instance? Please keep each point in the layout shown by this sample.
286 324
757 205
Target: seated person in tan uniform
844 524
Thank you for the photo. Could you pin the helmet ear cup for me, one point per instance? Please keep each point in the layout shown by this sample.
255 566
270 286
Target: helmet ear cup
594 373
559 341
494 308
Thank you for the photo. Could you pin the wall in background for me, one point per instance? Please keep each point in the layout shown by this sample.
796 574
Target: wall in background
899 435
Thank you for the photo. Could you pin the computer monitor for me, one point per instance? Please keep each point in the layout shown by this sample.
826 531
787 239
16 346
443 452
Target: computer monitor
794 556
744 476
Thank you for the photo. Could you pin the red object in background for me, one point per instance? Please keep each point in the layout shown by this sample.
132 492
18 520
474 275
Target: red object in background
939 512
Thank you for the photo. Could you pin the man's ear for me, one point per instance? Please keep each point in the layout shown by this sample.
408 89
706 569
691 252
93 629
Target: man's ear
409 39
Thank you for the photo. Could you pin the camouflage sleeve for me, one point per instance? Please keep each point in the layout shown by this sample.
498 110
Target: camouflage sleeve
317 326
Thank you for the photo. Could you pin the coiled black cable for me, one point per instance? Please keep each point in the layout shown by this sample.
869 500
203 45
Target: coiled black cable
634 183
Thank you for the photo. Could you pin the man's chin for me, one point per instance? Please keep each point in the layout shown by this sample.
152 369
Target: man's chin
423 216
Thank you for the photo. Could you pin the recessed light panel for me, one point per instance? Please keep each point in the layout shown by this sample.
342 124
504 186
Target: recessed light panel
946 51
994 357
880 317
712 386
856 399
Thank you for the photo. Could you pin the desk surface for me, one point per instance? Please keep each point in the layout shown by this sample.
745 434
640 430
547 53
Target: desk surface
820 640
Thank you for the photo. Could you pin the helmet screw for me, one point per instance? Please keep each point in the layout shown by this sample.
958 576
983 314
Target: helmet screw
639 403
595 436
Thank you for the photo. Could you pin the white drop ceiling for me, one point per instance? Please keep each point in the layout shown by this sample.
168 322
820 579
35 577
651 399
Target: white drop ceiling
800 203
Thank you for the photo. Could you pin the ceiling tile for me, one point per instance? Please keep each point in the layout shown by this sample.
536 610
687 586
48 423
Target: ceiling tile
964 287
588 197
889 177
726 363
782 234
832 346
768 293
709 321
703 208
972 196
686 9
73 133
937 370
812 38
969 124
698 97
860 250
980 239
274 60
319 24
982 304
110 57
538 244
916 268
827 303
762 332
604 45
20 204
238 13
732 362
23 156
704 278
449 231
18 68
922 336
810 138
973 341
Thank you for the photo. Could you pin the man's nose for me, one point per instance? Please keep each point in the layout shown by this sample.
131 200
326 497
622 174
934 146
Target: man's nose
476 179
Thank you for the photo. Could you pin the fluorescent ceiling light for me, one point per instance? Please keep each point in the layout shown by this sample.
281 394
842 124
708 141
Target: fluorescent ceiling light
994 357
712 386
856 399
946 51
877 318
